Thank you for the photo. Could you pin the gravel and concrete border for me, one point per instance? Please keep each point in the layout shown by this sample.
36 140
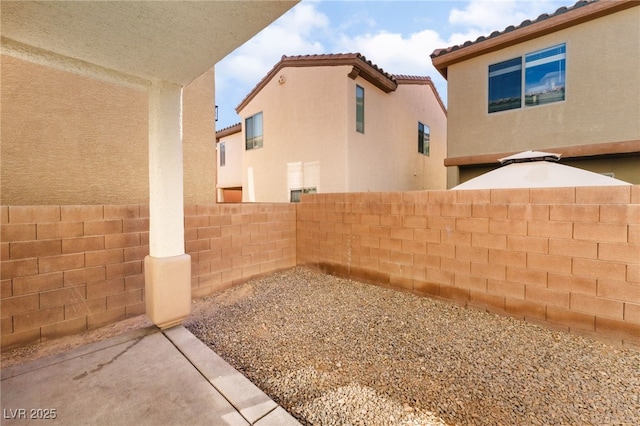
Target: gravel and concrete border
338 352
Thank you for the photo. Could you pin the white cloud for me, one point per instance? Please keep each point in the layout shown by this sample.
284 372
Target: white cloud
290 35
305 30
486 16
394 52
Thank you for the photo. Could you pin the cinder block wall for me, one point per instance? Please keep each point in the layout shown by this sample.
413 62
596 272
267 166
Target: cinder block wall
67 269
231 243
566 258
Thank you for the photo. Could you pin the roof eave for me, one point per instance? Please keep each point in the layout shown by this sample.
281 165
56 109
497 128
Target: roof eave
537 29
361 68
227 131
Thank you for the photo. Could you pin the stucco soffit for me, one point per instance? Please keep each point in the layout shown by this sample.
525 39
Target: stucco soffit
174 41
622 148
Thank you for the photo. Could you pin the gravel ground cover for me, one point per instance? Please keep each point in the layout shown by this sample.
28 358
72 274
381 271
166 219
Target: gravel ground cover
338 352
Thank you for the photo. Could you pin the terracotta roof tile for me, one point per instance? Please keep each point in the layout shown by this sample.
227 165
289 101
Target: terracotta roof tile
510 28
229 130
362 67
562 18
403 78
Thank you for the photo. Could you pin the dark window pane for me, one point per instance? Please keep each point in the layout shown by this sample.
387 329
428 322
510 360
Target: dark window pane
248 130
427 140
423 138
505 85
253 131
295 195
545 76
359 109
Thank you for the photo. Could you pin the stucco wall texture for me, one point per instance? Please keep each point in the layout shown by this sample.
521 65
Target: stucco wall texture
309 116
70 139
602 93
602 102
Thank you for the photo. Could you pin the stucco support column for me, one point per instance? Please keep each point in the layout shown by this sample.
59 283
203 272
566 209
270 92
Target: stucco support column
167 268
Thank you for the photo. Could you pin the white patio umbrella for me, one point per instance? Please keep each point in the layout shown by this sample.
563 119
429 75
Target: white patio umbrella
535 169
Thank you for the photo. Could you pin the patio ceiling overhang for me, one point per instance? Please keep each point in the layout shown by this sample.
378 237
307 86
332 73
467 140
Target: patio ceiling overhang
160 47
134 41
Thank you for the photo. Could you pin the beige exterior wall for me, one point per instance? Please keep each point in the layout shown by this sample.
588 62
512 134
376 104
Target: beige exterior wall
602 93
199 140
385 157
304 121
309 116
230 175
88 139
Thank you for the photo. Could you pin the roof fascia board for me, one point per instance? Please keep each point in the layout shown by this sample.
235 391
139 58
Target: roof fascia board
537 29
374 77
568 152
227 131
360 69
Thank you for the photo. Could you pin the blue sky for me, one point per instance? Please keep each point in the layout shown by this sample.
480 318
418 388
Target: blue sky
396 35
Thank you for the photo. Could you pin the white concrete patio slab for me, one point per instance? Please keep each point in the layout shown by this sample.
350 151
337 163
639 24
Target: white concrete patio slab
143 377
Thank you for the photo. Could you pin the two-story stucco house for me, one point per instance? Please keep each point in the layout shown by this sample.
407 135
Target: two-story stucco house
230 148
337 123
565 83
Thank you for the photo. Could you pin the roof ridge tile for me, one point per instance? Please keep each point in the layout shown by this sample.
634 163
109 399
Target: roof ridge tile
561 10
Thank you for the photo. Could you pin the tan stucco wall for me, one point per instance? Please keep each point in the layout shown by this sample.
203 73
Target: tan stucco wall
602 93
311 117
294 133
385 157
70 139
230 175
199 140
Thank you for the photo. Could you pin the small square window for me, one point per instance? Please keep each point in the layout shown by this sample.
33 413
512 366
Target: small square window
297 193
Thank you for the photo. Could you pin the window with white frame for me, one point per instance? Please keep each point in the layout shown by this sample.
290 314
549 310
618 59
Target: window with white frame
302 178
253 131
540 80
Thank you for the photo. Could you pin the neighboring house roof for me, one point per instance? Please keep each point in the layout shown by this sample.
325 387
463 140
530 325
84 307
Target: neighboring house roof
564 17
415 79
227 131
361 67
540 171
